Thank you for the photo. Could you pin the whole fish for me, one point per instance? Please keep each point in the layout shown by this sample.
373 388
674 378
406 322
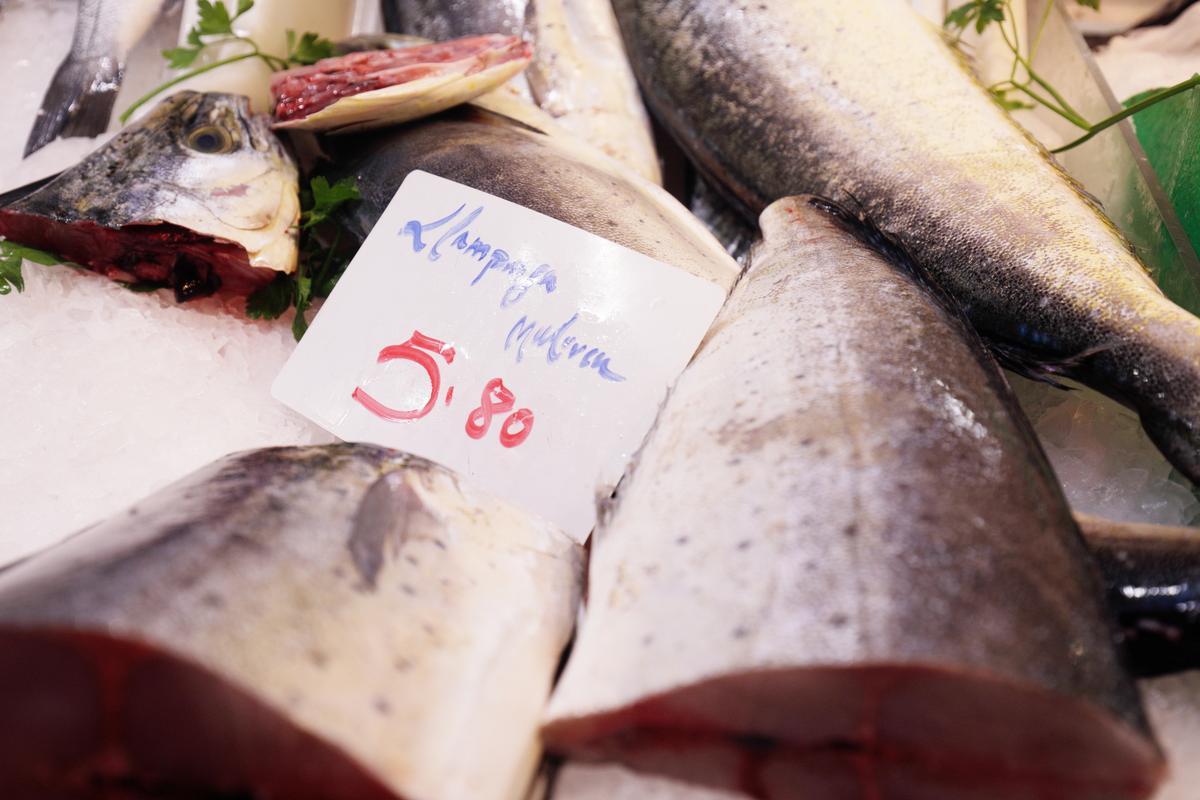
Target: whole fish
581 77
840 566
79 101
337 623
553 175
199 194
1152 581
864 99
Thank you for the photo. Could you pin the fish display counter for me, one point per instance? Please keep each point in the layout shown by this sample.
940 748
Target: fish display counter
581 399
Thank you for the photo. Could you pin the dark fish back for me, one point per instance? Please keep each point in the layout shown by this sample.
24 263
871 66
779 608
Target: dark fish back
449 19
494 155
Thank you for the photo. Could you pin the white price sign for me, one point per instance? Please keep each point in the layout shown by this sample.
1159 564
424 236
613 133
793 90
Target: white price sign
524 353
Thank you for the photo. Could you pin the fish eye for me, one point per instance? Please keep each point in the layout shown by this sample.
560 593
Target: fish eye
210 139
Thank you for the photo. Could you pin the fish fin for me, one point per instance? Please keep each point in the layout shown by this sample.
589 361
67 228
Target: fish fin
1044 369
21 192
79 101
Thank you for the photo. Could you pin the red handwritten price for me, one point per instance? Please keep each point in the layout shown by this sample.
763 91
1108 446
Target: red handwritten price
495 399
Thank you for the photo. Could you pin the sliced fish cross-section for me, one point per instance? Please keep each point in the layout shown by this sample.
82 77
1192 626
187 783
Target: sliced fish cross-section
325 623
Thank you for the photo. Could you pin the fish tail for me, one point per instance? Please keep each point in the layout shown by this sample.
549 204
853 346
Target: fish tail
1177 435
1041 367
79 101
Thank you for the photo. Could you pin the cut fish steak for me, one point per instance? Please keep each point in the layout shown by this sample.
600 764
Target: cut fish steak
325 623
841 568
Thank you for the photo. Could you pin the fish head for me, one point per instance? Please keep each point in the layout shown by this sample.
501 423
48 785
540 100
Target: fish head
199 194
231 178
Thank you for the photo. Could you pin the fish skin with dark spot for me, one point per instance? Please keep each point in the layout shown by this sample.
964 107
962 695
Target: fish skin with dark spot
915 614
864 99
382 521
199 194
555 177
234 636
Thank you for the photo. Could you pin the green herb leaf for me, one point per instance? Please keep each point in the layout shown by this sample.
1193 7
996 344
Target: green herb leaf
270 301
326 199
325 283
1089 3
303 301
181 57
320 266
246 5
308 49
33 254
981 12
989 11
960 17
213 18
10 273
11 257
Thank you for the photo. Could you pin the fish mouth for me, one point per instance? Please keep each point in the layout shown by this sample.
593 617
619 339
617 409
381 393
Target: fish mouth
156 253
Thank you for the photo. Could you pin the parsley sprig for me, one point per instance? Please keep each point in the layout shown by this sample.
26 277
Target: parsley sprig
214 26
11 257
321 262
1024 84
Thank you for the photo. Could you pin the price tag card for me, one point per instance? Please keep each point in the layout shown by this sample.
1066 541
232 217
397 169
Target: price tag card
526 354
